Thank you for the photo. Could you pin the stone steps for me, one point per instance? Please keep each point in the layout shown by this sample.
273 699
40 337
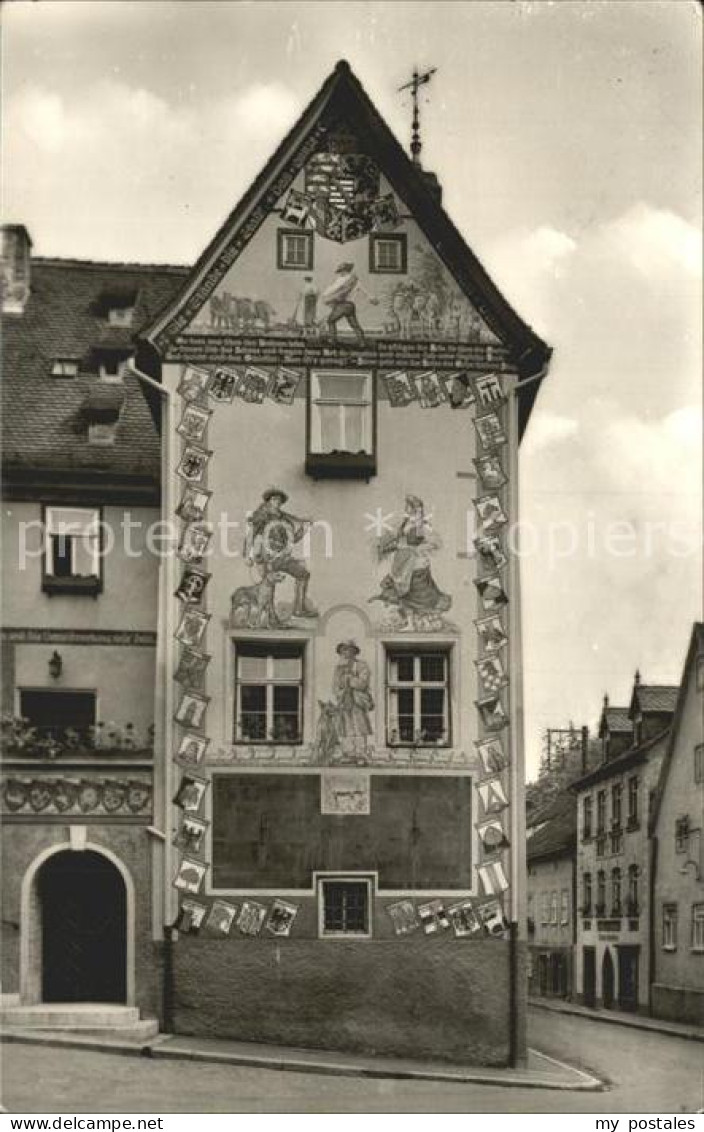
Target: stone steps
89 1018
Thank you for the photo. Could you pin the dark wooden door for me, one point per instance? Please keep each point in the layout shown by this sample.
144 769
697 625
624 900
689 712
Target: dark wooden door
84 929
628 978
608 979
589 976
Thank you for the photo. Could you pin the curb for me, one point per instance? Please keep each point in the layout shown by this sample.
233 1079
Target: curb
158 1049
631 1021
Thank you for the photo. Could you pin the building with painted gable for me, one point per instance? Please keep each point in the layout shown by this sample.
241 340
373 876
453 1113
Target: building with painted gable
342 405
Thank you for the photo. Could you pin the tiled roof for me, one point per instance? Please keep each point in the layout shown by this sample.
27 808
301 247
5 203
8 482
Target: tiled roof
43 424
656 697
617 719
558 835
632 757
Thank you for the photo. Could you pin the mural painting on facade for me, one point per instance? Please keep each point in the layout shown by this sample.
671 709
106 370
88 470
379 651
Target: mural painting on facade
76 796
191 750
190 834
344 726
191 711
190 793
403 917
191 668
411 598
433 916
464 920
396 288
221 916
344 793
271 550
190 875
190 917
251 917
281 917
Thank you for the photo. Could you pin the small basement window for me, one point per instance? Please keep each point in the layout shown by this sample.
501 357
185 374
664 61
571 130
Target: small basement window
388 255
64 367
344 907
294 250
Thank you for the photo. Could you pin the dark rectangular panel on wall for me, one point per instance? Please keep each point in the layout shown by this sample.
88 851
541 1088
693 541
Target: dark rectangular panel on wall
268 832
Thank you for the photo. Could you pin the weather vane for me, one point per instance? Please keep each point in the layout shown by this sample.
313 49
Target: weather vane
416 82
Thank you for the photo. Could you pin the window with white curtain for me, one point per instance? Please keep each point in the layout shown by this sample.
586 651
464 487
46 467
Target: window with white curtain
341 412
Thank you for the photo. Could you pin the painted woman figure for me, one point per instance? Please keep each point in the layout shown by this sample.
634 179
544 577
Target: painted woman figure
410 585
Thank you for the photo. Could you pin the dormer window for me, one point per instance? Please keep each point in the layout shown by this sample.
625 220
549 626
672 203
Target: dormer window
120 316
341 425
111 368
64 367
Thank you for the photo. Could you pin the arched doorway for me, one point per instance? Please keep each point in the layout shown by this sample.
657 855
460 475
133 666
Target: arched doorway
83 909
607 980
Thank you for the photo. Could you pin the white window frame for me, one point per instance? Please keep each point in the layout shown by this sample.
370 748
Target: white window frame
51 519
545 908
366 403
343 878
697 936
418 686
669 927
289 240
379 245
269 682
554 907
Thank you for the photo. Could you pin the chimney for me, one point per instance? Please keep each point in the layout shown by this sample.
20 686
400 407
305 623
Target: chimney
432 185
15 268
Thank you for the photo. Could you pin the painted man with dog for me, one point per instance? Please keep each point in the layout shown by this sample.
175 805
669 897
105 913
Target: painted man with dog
272 535
344 726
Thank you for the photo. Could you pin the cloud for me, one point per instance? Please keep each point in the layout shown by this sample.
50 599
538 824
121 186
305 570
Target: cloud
167 175
655 242
548 429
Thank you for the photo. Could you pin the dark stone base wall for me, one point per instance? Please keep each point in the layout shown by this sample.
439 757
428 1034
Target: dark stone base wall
678 1004
438 998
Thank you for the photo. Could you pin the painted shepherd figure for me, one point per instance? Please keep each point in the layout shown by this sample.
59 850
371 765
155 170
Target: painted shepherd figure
269 544
409 586
344 726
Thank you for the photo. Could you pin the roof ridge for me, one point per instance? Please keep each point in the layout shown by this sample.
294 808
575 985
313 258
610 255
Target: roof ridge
112 265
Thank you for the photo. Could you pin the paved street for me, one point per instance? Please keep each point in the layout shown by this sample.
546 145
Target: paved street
649 1073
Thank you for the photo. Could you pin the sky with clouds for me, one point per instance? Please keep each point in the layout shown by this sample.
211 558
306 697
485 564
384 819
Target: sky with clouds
567 137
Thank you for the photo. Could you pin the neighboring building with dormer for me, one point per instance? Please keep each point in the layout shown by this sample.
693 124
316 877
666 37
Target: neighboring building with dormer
344 394
80 459
613 851
677 831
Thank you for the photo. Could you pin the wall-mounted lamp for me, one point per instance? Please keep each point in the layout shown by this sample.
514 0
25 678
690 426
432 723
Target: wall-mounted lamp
56 665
